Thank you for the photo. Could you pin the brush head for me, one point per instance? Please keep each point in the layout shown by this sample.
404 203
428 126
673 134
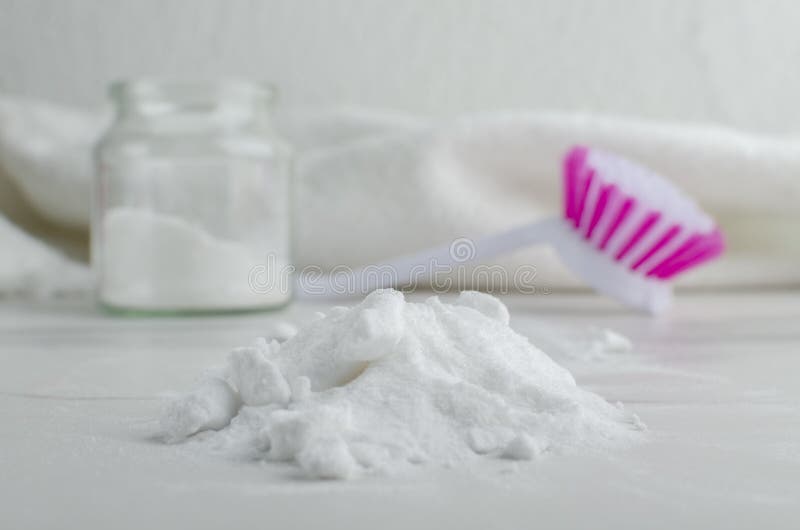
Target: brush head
645 230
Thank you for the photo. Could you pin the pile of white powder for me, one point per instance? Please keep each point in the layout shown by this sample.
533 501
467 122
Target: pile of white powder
389 383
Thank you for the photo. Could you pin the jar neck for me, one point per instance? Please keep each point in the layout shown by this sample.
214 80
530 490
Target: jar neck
191 105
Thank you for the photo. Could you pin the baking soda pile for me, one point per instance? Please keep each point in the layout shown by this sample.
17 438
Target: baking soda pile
389 383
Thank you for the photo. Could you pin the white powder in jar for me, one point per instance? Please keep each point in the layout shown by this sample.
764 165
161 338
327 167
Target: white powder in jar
389 384
156 261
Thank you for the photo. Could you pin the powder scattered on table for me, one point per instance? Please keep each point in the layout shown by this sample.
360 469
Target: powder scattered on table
389 384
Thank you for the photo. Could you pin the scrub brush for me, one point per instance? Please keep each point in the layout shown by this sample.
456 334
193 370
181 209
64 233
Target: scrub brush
625 230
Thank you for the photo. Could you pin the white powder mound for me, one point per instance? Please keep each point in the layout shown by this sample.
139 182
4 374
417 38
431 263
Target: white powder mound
390 383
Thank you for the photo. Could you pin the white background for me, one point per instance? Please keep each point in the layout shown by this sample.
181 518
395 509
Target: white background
727 61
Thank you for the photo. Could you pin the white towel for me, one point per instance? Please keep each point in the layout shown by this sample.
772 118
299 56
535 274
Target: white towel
372 185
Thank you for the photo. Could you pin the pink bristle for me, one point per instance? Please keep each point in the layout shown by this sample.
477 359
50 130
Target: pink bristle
661 243
606 192
701 257
573 164
622 214
585 182
710 246
644 227
676 255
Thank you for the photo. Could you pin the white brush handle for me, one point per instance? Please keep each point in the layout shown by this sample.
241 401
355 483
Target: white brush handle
410 268
478 250
596 269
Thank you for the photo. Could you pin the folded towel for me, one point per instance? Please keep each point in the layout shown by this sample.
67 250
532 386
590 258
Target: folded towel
32 269
372 185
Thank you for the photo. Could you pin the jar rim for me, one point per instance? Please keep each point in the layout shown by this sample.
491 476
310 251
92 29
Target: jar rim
157 89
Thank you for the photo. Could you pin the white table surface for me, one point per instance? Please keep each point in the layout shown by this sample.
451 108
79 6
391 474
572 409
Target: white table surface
717 382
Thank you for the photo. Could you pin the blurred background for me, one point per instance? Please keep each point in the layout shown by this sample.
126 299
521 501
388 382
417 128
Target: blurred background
729 63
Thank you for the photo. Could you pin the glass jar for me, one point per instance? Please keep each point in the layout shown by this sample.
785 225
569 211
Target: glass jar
191 206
